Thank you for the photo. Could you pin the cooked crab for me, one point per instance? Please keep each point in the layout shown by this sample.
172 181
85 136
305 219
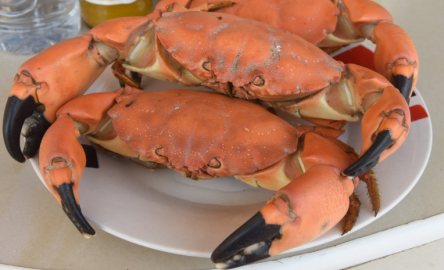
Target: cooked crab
333 24
204 135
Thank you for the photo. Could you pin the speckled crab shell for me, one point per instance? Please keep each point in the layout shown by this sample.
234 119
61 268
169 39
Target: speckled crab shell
288 15
161 128
257 60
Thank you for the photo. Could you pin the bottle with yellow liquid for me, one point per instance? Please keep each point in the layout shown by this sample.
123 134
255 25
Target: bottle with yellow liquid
95 12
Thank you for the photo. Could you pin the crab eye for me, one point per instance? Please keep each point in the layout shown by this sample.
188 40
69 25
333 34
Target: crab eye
160 152
214 163
207 66
170 7
259 81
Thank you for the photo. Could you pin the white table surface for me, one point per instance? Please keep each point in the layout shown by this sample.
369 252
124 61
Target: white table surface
34 232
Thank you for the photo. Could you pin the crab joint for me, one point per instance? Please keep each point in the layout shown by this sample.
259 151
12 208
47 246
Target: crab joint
59 172
291 216
395 122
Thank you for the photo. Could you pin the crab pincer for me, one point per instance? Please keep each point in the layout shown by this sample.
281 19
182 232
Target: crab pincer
62 158
62 168
50 79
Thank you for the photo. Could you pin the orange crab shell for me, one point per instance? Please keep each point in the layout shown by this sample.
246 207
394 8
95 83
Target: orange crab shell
289 15
163 133
202 49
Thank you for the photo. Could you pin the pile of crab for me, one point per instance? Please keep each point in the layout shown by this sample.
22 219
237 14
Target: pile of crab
259 56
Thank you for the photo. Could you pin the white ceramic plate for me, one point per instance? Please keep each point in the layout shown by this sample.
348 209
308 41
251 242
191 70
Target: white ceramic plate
166 211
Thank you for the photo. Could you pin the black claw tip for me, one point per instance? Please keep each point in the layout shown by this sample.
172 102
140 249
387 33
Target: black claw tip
404 85
16 111
37 125
371 157
91 156
136 77
248 255
72 210
249 243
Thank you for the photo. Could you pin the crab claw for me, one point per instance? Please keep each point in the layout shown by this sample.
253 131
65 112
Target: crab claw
385 124
62 167
44 83
299 212
396 57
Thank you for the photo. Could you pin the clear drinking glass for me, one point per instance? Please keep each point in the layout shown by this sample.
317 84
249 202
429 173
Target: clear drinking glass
30 26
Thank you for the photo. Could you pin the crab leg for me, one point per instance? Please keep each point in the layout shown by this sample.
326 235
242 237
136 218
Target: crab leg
62 158
386 116
48 80
304 208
